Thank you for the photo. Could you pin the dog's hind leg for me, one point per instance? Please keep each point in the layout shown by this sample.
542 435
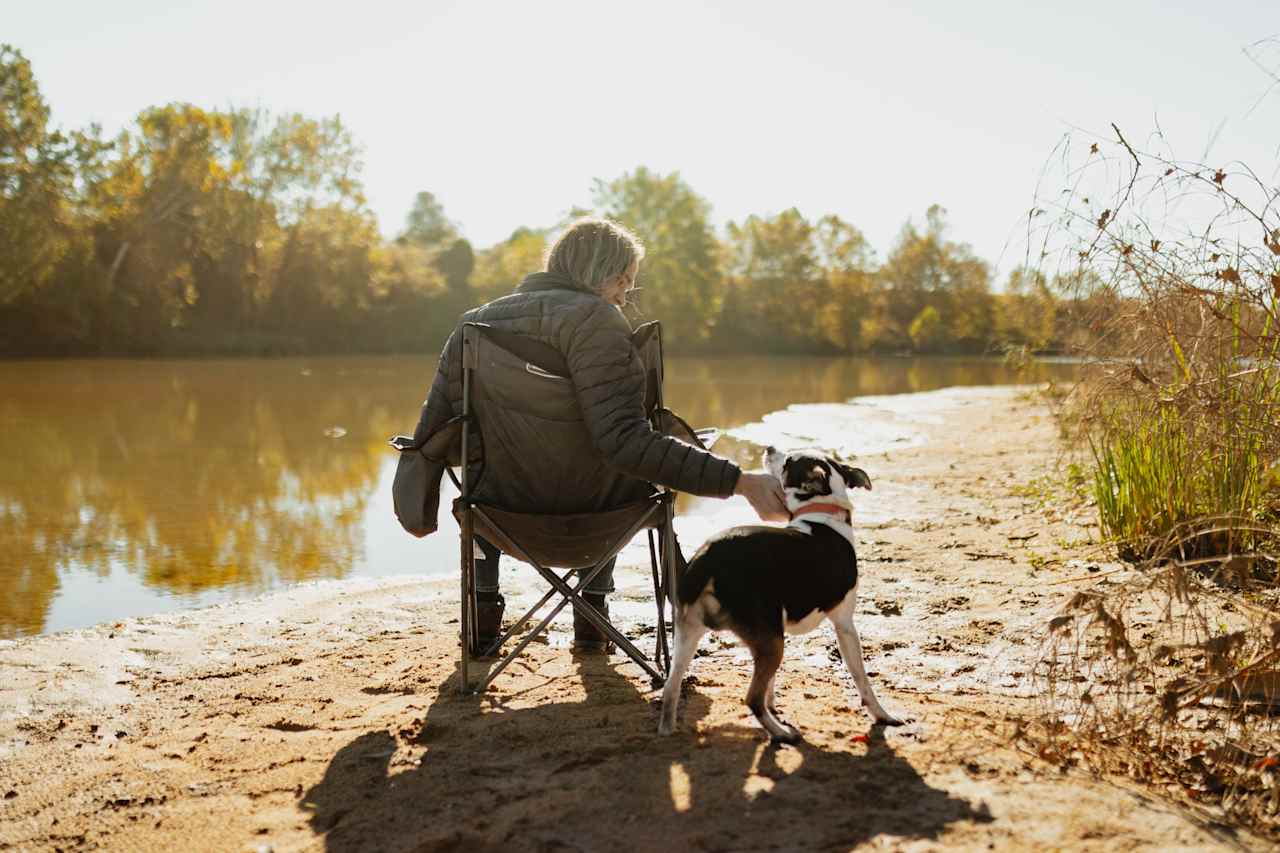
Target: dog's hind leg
689 629
771 703
851 651
767 657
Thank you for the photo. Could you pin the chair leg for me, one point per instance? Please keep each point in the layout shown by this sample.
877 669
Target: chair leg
669 557
661 651
594 616
468 597
524 620
570 594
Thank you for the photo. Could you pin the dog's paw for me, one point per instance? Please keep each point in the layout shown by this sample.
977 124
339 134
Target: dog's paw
665 728
790 737
887 719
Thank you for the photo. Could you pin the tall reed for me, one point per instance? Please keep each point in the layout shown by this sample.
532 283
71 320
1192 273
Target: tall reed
1169 673
1161 462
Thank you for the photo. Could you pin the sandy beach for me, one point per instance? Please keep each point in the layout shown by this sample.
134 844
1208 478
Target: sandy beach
327 716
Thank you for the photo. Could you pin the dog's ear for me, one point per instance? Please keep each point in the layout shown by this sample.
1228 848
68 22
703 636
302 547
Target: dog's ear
854 477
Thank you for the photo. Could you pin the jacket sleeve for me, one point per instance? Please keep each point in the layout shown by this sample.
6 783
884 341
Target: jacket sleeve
437 409
609 381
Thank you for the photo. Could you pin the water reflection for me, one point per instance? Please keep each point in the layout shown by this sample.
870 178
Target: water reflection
204 479
192 475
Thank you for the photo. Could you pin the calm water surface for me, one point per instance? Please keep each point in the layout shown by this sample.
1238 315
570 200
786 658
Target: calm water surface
135 487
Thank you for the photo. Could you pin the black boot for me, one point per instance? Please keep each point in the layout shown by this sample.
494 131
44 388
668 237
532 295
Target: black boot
489 609
587 638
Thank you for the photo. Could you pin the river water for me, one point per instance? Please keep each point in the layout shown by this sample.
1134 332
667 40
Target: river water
135 487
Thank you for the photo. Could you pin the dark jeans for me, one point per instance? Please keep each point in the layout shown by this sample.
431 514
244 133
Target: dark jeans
487 571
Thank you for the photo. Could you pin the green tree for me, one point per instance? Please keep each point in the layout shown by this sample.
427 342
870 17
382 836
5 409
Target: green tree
456 263
781 285
926 330
927 269
37 170
680 279
848 263
409 296
1027 311
500 268
326 280
426 225
155 223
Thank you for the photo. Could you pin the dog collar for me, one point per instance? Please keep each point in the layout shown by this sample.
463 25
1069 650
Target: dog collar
825 509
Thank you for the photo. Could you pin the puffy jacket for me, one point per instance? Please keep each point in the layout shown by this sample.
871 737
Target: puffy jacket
608 380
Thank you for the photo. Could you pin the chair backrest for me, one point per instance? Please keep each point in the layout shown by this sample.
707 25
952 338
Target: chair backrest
537 453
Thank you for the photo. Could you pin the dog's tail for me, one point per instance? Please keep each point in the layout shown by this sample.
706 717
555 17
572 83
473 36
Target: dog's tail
691 581
682 574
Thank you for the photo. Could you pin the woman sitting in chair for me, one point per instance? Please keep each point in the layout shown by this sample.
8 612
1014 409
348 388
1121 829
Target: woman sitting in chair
575 306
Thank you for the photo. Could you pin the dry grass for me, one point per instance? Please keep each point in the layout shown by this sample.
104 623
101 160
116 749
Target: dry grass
1171 676
1169 672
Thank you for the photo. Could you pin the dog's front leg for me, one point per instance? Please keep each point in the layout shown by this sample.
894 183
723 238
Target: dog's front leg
851 651
689 629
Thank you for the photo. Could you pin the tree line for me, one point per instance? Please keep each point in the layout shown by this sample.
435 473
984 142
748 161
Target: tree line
238 231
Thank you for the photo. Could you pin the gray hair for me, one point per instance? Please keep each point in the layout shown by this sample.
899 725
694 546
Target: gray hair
591 251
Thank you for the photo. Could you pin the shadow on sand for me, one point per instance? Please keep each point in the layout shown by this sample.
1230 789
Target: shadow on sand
592 774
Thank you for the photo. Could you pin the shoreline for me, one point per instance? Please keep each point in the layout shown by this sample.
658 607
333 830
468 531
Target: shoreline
324 716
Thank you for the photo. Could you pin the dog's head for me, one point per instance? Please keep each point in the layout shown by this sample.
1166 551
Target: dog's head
808 476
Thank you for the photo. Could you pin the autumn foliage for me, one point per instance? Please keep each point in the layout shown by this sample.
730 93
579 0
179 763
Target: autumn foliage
236 231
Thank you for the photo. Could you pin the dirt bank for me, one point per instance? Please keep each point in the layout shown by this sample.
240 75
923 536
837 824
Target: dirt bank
327 716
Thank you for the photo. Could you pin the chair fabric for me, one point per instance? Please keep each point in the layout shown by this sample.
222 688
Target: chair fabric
567 510
523 409
575 541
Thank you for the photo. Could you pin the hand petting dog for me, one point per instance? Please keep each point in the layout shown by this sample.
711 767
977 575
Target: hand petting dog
764 493
763 582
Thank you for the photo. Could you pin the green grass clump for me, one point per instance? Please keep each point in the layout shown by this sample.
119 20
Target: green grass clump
1185 463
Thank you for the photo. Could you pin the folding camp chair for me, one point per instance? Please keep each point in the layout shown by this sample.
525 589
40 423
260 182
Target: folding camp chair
512 407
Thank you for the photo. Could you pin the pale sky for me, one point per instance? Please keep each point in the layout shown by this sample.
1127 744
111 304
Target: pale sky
507 111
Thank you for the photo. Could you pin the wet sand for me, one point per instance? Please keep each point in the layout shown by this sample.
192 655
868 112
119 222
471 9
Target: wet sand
327 717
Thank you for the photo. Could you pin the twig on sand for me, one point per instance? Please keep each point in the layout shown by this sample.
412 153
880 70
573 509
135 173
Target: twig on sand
979 555
1089 576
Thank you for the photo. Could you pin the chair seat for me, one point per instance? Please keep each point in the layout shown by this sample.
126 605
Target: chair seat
577 541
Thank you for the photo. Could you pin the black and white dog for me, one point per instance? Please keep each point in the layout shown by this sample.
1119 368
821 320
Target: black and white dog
764 582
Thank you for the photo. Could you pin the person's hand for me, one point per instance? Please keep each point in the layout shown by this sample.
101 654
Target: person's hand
764 493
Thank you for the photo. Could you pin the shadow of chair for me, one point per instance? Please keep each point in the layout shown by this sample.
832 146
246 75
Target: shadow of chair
592 774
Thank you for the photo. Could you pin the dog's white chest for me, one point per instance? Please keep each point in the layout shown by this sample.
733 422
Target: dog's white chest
805 625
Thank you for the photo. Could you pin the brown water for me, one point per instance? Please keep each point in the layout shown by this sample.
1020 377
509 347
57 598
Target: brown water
135 487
